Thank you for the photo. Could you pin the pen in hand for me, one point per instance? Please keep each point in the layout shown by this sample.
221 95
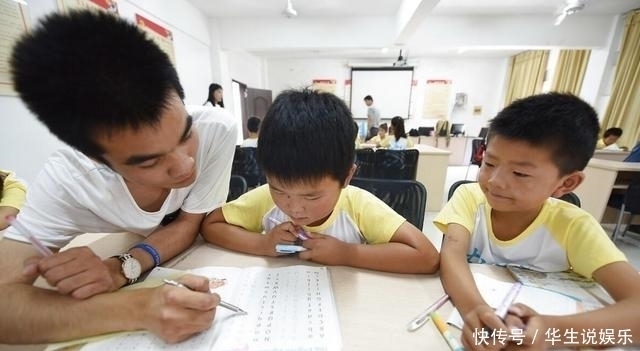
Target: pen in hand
508 300
222 303
37 244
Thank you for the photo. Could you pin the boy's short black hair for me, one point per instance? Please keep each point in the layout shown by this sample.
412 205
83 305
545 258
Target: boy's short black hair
253 124
90 72
561 123
612 131
384 127
368 97
305 136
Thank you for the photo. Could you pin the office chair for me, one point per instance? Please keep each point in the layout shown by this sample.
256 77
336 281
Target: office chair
396 164
407 197
478 146
237 187
246 165
365 160
571 198
630 203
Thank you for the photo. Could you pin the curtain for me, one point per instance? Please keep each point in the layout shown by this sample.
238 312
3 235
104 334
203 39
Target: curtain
570 71
623 109
526 74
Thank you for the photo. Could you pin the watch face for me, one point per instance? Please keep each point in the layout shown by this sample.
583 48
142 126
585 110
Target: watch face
131 268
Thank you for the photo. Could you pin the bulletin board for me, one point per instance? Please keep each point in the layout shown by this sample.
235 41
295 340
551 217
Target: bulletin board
160 35
105 5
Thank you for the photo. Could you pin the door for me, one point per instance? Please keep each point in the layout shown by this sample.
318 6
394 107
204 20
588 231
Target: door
258 102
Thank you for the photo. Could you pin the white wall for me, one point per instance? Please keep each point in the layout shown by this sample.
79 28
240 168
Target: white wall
26 144
481 78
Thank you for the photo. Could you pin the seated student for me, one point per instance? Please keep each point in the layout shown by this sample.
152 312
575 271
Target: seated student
536 148
308 174
398 137
12 194
609 139
634 154
382 136
141 162
253 125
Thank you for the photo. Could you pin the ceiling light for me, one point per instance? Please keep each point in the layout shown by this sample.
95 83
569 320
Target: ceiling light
289 11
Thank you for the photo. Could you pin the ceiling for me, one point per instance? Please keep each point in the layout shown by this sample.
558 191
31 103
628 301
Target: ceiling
377 30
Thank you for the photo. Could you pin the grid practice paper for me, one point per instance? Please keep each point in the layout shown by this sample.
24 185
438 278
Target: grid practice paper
289 308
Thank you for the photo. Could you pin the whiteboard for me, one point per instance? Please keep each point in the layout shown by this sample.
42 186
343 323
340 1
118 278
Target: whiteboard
390 88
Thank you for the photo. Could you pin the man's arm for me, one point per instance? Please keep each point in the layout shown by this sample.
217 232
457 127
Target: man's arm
36 315
169 241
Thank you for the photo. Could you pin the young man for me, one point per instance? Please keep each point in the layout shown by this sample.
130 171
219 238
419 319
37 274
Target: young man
373 114
142 162
308 196
536 148
253 126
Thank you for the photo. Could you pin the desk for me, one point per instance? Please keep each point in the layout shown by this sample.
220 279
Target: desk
432 173
612 155
601 177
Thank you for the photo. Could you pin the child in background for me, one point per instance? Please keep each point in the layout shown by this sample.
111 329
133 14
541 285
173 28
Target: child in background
536 148
12 195
306 151
382 136
397 139
253 126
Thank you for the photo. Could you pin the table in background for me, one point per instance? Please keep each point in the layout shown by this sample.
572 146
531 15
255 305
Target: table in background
601 178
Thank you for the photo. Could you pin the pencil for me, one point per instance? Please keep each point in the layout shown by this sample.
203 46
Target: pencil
423 317
454 344
222 303
37 244
508 300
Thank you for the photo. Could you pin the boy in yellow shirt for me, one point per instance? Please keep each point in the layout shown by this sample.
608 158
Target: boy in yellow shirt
536 148
12 195
308 198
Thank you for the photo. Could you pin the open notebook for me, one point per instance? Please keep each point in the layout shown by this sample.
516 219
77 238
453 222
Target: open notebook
544 301
289 308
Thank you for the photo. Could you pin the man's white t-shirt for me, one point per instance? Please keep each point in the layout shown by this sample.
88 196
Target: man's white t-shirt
74 195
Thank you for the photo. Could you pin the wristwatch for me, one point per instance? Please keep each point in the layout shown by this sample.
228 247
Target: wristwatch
131 268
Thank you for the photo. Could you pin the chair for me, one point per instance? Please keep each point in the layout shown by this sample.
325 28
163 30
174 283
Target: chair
396 164
629 203
571 198
407 197
477 154
246 165
237 187
365 160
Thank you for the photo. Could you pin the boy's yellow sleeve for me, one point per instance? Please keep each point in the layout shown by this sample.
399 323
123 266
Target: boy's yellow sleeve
14 192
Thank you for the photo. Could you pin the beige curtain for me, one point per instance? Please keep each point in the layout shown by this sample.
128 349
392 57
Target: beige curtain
570 71
526 74
623 109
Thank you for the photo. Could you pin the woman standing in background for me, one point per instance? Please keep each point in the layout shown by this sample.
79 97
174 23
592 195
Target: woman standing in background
215 96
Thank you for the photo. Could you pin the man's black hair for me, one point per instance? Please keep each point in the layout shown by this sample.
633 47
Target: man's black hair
561 123
87 73
305 136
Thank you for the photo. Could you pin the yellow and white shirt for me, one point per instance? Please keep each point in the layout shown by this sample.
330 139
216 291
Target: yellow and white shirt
562 237
359 217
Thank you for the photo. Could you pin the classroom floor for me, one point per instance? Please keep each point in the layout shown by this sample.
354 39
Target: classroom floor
629 244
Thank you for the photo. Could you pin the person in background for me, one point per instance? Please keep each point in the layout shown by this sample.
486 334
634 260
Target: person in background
382 136
373 115
214 98
634 154
253 126
537 148
609 139
358 141
398 137
139 161
12 194
308 196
